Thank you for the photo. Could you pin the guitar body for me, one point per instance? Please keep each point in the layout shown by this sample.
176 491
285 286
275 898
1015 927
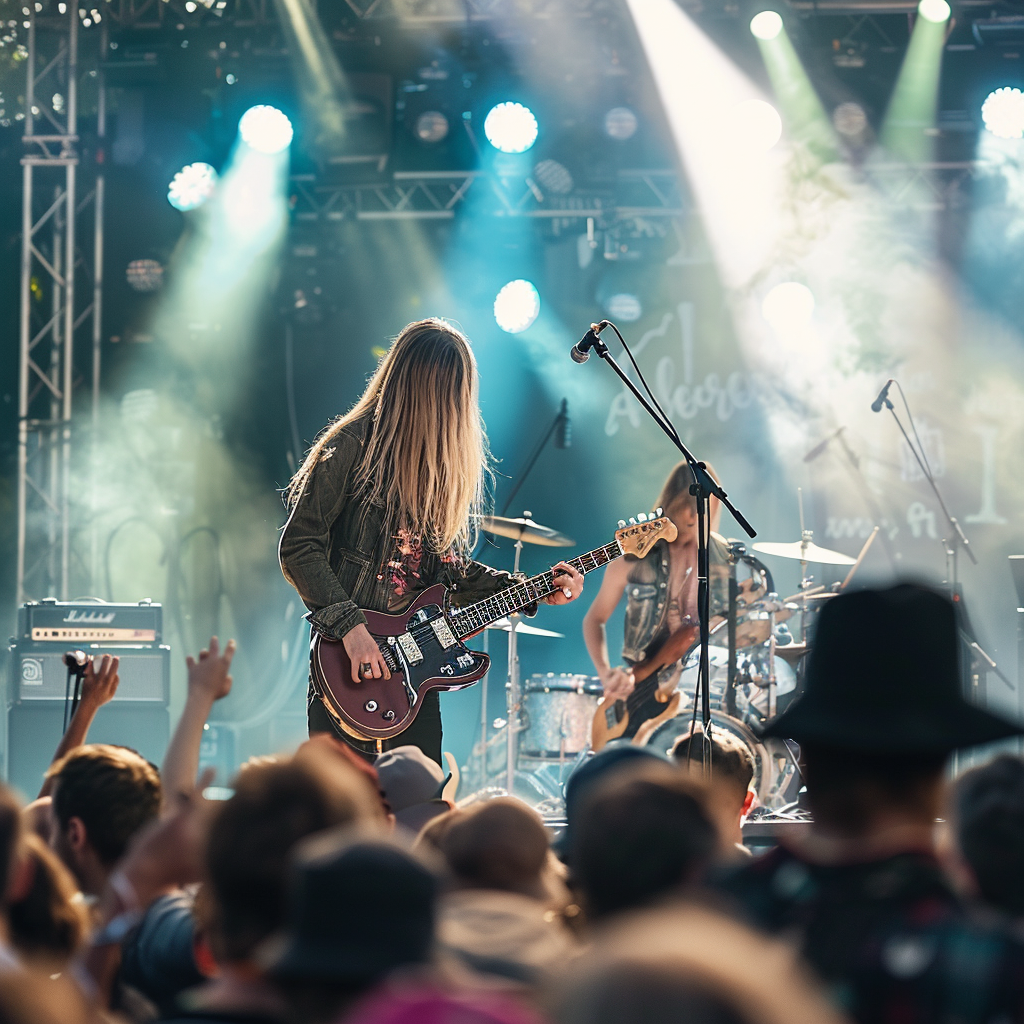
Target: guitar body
423 654
646 730
611 719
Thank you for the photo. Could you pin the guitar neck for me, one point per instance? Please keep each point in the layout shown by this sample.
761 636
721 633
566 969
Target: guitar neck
473 617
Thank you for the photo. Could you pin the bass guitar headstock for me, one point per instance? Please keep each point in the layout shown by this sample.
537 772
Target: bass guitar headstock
639 535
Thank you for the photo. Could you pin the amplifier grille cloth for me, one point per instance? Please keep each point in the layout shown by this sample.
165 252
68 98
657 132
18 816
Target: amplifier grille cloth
43 676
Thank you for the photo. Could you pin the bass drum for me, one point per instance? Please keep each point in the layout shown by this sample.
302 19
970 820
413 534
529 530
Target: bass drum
776 778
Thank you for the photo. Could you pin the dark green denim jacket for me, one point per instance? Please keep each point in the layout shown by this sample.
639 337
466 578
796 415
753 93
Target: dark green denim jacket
334 548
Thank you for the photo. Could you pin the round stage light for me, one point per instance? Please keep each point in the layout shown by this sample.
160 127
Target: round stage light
756 125
934 10
192 186
766 25
511 127
553 177
431 126
1003 113
788 307
265 129
620 123
144 275
850 120
516 306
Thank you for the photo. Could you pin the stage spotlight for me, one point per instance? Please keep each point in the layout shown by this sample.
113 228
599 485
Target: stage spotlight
756 125
144 275
620 123
516 306
934 10
553 177
431 126
788 307
511 127
265 129
850 120
1003 113
766 25
192 186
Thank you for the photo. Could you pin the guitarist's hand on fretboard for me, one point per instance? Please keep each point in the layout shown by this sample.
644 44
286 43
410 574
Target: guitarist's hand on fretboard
618 683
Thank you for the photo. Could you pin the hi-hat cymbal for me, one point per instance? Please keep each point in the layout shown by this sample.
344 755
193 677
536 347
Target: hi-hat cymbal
523 627
803 552
526 530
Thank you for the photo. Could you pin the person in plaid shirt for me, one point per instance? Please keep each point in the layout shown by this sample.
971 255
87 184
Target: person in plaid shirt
860 890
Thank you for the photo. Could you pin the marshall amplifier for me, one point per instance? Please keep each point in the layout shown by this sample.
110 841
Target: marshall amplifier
137 717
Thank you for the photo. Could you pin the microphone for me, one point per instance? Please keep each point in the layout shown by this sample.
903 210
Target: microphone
580 352
883 396
76 660
822 445
563 431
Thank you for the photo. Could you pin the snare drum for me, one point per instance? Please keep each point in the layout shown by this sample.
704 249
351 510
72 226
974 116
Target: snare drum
558 710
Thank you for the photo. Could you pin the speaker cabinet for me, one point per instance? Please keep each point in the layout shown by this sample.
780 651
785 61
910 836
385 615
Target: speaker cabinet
137 717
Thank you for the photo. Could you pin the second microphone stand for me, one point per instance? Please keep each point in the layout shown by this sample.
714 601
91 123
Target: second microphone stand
703 487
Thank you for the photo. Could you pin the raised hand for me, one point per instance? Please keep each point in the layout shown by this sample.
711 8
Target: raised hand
99 686
208 676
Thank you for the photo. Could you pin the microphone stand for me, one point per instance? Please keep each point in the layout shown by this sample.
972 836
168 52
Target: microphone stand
561 417
703 487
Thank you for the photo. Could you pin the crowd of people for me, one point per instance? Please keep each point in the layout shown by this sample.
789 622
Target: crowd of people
334 889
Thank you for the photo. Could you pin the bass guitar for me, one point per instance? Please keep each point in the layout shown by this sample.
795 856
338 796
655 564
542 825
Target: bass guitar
424 646
612 717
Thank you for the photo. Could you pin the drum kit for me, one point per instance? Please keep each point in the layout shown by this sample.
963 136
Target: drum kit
755 671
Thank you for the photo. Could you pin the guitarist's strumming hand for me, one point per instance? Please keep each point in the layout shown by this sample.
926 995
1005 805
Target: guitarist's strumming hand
363 652
618 683
569 582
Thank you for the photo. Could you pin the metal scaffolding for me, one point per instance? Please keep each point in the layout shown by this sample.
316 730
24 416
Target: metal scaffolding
61 286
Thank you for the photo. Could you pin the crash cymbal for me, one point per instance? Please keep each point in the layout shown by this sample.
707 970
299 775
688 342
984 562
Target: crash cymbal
525 529
791 653
523 627
803 552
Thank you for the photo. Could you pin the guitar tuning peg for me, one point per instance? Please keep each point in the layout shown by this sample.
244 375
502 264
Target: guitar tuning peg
632 521
659 512
622 523
642 517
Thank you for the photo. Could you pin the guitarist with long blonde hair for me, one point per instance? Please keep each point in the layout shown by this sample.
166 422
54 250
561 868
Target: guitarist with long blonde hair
383 507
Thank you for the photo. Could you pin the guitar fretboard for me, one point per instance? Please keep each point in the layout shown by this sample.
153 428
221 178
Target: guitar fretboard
473 617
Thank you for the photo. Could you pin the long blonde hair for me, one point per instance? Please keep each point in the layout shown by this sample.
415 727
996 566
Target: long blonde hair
426 458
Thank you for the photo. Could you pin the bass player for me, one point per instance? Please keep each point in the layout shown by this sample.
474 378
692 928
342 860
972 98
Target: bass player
383 507
661 599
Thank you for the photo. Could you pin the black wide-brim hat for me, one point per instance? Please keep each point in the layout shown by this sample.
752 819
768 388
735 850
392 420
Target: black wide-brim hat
884 676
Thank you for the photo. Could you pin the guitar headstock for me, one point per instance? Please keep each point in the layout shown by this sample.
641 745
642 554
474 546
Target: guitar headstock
640 534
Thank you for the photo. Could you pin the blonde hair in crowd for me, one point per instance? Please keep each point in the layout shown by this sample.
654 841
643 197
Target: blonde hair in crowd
426 456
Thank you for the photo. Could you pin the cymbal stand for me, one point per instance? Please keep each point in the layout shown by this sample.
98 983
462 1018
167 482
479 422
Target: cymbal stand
513 698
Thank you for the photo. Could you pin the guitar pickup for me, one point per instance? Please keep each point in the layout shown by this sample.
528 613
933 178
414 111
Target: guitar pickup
443 633
410 649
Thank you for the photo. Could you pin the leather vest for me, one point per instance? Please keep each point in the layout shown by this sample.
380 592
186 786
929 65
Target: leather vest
647 595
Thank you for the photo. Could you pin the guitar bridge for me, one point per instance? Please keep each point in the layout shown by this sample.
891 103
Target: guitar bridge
443 633
410 648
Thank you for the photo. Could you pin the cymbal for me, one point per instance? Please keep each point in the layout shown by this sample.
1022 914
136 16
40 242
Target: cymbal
803 552
526 530
523 627
791 653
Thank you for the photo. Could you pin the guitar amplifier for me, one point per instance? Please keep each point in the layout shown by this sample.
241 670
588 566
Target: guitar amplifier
138 715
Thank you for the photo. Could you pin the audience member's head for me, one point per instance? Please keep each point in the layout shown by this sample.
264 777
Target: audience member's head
615 757
418 1004
431 836
252 836
49 922
988 831
411 783
686 965
501 844
877 720
732 772
102 796
360 908
639 836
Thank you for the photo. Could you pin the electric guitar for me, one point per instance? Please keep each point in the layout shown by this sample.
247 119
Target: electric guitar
611 719
424 647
